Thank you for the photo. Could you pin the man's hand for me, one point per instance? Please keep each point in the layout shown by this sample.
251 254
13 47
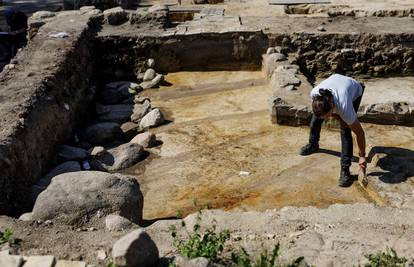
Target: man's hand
362 164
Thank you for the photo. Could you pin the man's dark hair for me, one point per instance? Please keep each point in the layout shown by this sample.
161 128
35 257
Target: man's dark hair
321 103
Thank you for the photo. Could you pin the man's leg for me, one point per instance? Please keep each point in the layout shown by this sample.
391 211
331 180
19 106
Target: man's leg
347 149
314 135
315 130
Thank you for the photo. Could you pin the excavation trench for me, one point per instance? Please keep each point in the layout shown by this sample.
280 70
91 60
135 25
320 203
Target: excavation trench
220 148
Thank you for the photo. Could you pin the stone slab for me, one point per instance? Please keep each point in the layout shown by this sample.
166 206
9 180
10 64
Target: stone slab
40 261
11 260
64 263
383 102
296 2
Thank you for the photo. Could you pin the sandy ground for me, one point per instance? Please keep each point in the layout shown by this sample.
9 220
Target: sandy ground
217 134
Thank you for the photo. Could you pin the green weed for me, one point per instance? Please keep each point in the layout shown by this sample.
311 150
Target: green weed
242 259
208 244
385 259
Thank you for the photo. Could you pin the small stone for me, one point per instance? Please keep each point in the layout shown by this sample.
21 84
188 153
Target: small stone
141 99
150 63
40 261
135 249
278 57
115 16
153 83
97 151
43 15
114 113
145 139
48 222
116 92
101 255
157 8
196 262
87 8
130 129
26 217
92 229
115 222
102 133
153 118
270 50
132 91
347 50
68 153
140 110
118 158
149 75
321 29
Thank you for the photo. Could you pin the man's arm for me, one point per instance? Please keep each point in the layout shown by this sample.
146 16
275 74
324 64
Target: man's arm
360 136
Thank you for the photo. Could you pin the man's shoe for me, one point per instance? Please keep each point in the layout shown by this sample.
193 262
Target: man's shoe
309 149
345 180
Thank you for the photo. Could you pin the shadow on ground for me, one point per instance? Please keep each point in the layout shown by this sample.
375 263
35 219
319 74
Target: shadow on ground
397 164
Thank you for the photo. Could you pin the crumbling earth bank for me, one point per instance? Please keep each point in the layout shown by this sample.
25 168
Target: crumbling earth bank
42 97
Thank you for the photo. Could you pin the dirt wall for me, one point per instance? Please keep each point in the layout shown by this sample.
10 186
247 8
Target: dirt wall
207 51
43 95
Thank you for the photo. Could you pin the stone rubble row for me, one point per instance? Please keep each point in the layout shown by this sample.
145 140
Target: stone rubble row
79 185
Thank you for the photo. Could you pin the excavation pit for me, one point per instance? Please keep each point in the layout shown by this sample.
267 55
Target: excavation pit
220 148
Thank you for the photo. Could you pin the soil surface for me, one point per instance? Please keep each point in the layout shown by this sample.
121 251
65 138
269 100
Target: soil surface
220 127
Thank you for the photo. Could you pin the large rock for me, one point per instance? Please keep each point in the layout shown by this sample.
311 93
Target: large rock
140 110
115 16
115 222
135 249
74 197
153 118
68 153
145 139
114 113
117 92
102 133
121 157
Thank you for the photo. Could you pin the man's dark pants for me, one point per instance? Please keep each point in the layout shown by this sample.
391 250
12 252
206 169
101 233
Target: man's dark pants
346 134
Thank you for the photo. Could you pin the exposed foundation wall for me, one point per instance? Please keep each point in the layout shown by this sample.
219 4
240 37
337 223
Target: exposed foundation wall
49 90
209 51
350 53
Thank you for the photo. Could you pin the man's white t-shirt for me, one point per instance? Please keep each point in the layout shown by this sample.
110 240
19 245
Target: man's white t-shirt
344 90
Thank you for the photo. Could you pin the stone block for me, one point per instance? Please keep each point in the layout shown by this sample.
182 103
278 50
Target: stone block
64 263
11 261
40 261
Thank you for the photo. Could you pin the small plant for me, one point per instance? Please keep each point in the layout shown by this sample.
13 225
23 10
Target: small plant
208 244
5 236
242 259
385 259
111 264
